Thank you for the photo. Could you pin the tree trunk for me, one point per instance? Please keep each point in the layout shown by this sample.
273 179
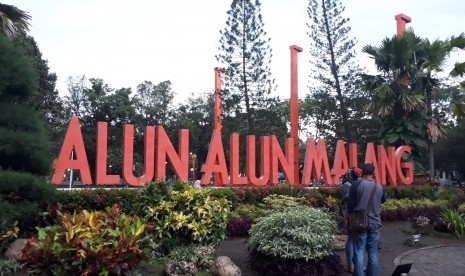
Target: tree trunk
429 114
348 133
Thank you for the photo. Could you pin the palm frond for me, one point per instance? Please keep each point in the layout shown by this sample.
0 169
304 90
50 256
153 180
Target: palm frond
13 19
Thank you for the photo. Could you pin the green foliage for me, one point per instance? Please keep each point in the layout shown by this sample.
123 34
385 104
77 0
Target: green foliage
8 232
99 199
22 197
203 256
17 77
412 192
394 204
9 266
248 211
281 202
453 196
95 243
461 208
191 215
295 233
455 222
226 193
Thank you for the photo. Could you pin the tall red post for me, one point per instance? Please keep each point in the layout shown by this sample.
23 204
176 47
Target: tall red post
294 109
217 102
402 20
217 110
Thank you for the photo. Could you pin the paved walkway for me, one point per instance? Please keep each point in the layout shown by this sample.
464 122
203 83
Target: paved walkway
435 260
437 256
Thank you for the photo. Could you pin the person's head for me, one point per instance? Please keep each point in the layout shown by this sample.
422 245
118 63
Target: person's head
351 175
368 169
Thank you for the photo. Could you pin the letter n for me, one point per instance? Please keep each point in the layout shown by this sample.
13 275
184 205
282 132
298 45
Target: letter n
387 165
164 149
280 161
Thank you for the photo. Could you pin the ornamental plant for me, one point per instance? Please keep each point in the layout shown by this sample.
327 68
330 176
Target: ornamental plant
421 221
302 233
86 243
455 222
191 215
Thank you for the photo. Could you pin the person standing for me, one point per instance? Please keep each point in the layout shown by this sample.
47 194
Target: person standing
350 177
359 200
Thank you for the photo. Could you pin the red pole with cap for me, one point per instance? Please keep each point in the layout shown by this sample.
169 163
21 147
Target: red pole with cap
217 100
402 20
294 109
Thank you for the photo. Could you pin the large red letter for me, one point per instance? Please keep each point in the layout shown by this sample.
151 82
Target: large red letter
316 162
164 148
370 157
279 161
353 158
216 162
101 176
73 140
340 164
264 162
128 155
236 179
407 167
387 165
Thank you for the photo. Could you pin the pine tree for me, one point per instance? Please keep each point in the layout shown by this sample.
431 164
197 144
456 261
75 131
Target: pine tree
246 54
335 73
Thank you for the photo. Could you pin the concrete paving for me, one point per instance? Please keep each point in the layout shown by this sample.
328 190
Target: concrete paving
431 256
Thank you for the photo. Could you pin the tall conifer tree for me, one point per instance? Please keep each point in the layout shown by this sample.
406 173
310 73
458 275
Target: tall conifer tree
334 72
245 53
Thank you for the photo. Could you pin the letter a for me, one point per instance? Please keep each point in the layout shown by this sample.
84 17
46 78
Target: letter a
216 162
73 141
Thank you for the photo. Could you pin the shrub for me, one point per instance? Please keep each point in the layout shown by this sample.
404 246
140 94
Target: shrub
9 267
248 211
239 227
405 203
87 244
411 192
22 197
455 222
251 194
202 256
461 208
303 233
453 196
191 215
408 214
273 266
227 193
280 202
99 199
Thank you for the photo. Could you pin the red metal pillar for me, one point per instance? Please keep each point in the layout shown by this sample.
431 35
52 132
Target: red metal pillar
217 113
294 109
402 20
217 103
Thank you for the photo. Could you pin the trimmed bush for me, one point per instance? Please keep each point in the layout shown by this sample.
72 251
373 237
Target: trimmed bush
405 203
303 233
129 199
248 211
411 192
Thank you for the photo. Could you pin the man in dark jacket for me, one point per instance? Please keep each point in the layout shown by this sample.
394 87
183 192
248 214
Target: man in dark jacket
359 200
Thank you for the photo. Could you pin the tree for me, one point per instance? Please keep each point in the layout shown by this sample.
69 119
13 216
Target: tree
47 100
245 53
154 102
335 72
13 20
397 104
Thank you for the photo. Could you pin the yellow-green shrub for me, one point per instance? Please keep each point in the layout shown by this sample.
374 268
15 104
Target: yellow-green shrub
191 215
394 204
247 211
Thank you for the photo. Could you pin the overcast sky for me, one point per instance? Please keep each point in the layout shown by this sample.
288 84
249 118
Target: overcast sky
127 42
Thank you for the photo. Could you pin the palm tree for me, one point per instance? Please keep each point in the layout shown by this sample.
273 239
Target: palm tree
394 100
458 108
13 20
